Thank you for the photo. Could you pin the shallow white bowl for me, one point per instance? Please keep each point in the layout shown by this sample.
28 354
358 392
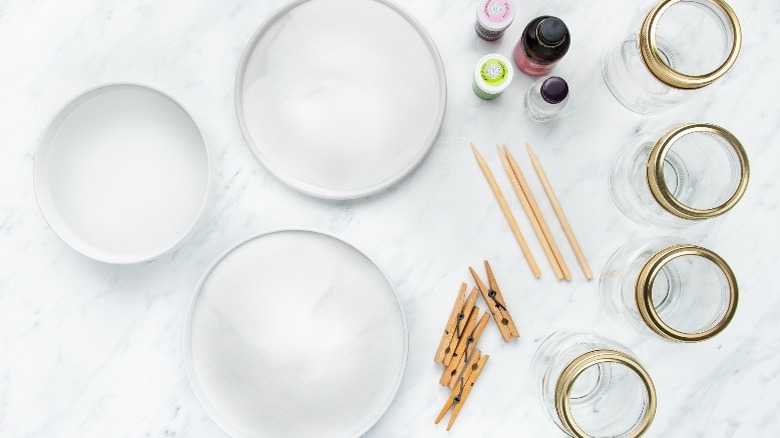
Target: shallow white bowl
295 333
122 174
340 99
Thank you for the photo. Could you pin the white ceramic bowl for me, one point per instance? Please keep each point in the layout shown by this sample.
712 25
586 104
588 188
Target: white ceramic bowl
295 333
123 174
340 99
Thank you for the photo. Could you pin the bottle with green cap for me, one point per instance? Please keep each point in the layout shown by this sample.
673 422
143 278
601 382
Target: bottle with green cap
544 42
492 75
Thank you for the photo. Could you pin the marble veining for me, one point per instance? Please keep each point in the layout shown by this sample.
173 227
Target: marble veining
93 350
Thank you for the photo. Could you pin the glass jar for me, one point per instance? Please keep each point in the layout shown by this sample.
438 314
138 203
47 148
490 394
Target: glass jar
591 386
670 288
675 177
680 46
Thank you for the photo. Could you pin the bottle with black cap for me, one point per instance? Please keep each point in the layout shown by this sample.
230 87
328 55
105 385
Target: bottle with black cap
544 42
546 98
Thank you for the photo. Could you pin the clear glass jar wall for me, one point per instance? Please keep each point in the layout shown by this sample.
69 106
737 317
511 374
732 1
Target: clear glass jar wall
591 386
669 288
677 176
678 47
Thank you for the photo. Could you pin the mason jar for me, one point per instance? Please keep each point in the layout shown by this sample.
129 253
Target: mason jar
680 175
669 288
679 46
591 386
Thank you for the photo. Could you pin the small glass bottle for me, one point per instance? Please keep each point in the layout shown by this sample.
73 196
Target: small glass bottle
669 288
546 98
544 42
592 386
492 75
676 177
493 17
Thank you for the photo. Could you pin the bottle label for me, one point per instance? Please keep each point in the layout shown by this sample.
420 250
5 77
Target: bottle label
481 93
487 35
529 67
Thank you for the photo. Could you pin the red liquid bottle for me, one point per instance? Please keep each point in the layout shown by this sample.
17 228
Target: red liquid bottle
544 42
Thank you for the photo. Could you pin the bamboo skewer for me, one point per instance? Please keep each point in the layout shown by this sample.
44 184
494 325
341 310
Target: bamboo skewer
559 213
524 200
538 214
507 213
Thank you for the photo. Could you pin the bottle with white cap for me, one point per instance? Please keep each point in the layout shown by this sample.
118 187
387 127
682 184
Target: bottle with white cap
493 17
546 98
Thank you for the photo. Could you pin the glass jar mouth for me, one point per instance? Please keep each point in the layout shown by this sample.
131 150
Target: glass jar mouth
579 365
644 293
655 60
656 174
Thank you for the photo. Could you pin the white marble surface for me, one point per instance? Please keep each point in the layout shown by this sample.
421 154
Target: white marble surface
93 350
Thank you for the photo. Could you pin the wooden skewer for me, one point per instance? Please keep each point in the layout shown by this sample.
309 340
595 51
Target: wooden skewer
528 212
471 343
507 213
537 213
559 213
448 372
461 391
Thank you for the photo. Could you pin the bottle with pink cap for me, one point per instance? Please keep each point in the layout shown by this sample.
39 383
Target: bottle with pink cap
493 17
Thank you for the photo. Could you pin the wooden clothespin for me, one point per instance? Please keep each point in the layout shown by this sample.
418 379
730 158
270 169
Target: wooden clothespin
496 304
463 352
455 325
468 329
463 388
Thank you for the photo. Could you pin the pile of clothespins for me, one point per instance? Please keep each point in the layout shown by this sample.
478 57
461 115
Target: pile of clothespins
458 351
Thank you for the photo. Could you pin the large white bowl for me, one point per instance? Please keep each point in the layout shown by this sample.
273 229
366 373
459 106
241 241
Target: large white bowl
340 99
295 333
122 174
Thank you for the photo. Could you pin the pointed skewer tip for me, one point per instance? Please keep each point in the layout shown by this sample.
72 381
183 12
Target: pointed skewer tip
530 151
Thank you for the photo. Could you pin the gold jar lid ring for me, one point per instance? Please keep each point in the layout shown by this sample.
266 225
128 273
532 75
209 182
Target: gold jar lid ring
657 182
644 292
592 358
653 59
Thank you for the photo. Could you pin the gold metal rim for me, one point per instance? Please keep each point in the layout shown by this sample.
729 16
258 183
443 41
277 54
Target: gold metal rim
651 55
657 182
644 292
576 367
